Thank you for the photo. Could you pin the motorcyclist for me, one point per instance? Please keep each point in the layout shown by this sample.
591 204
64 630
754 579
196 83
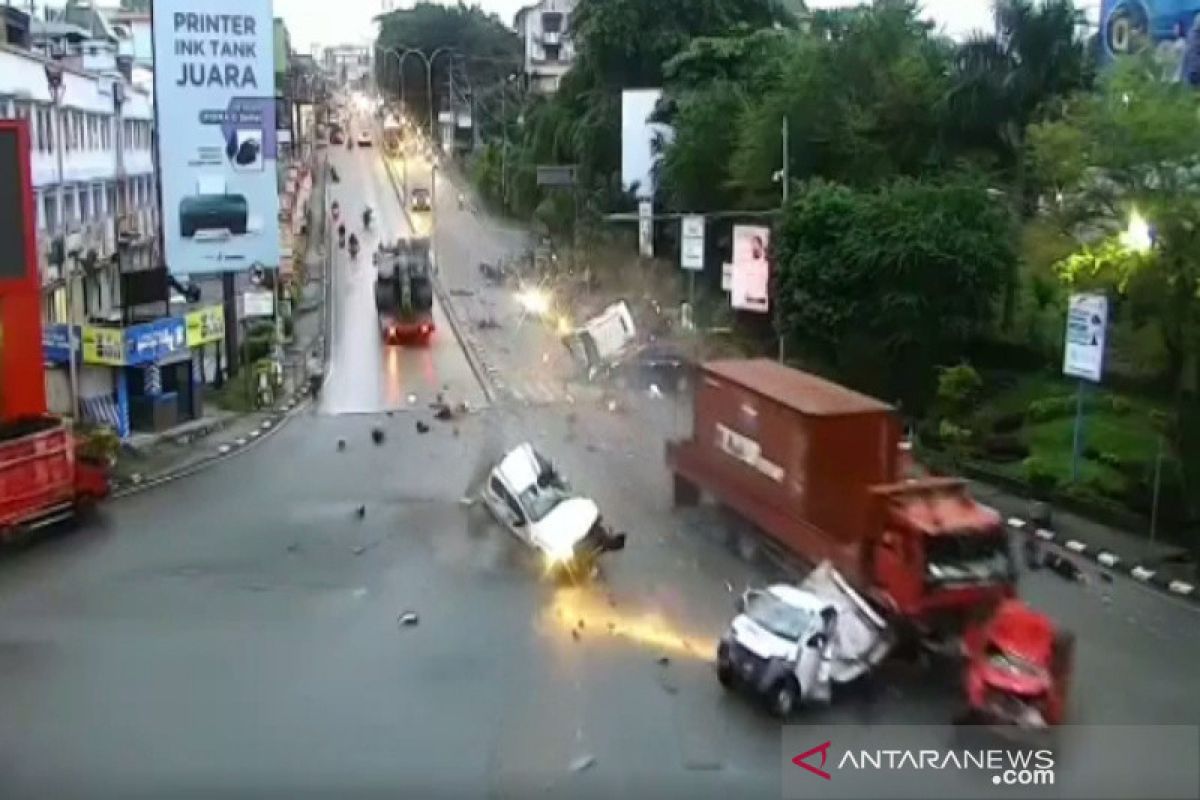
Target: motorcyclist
336 210
333 173
316 375
342 235
366 217
353 245
461 201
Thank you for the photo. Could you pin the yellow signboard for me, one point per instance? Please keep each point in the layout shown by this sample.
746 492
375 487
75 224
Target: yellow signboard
206 325
103 345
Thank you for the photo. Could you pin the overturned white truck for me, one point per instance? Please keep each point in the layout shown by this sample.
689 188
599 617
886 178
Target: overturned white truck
789 644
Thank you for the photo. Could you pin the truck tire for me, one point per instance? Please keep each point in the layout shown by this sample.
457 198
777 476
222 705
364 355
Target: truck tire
724 670
783 698
686 492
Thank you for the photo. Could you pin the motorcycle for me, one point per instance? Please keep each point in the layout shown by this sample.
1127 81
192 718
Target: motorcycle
333 174
341 235
367 219
353 246
336 211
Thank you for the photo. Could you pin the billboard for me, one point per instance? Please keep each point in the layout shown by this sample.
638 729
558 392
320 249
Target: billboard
214 86
751 272
1083 350
1165 25
638 136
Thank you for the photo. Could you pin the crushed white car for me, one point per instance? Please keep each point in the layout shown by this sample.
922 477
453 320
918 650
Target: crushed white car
790 644
535 503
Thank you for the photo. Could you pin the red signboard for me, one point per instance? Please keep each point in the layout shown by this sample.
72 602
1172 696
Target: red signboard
22 380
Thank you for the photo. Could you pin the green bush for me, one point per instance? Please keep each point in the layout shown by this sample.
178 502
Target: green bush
1005 447
1038 474
958 389
1051 408
1110 460
952 434
1008 423
99 444
1119 405
256 347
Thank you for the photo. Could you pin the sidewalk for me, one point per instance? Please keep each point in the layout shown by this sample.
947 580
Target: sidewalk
156 457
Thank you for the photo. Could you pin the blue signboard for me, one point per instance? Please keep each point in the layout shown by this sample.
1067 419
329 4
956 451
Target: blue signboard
214 86
152 342
56 343
1168 26
148 343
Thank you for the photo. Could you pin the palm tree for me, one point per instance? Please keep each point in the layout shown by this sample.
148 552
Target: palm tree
1003 81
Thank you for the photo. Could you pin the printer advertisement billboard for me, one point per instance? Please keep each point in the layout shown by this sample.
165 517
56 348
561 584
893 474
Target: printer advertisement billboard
214 85
1169 27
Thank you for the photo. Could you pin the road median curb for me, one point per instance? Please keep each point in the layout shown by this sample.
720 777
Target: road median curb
1142 573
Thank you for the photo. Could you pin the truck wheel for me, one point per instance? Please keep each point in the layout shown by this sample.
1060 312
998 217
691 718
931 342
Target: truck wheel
725 674
783 698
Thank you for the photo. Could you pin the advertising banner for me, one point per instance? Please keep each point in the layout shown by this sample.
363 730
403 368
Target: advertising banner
1083 351
214 85
56 342
1167 26
751 273
205 325
154 341
691 246
103 346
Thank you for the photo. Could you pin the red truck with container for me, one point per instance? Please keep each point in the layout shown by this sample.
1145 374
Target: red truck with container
819 472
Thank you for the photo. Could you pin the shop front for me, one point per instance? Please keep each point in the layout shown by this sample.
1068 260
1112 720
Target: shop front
138 378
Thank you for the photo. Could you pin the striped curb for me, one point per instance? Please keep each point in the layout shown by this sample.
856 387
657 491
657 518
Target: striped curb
1107 559
139 483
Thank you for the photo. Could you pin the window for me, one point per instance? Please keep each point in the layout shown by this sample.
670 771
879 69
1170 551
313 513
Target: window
111 189
69 206
49 211
98 201
503 493
552 22
85 204
48 113
552 52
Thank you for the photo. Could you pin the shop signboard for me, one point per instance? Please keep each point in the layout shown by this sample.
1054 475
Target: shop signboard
205 325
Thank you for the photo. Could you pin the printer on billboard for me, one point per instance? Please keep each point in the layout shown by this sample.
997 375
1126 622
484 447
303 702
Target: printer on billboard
213 213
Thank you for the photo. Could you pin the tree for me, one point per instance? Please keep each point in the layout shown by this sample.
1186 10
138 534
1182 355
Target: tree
484 50
861 94
1004 81
1133 147
882 285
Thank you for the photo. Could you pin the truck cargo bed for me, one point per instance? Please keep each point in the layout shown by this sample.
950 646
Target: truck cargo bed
37 471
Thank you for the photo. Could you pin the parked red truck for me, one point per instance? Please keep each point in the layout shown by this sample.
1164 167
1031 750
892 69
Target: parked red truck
43 479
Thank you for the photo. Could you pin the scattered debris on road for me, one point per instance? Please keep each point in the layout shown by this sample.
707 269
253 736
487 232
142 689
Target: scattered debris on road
422 427
1062 566
487 324
462 292
408 619
575 634
377 435
359 550
341 444
655 392
664 661
443 413
294 547
412 399
582 763
361 511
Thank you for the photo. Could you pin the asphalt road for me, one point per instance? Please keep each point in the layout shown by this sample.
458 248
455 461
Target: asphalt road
235 634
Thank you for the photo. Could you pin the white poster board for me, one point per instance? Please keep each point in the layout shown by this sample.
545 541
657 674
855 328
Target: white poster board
646 229
258 304
751 272
691 243
1083 350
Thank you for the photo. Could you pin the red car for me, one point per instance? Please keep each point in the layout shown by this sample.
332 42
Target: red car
1018 668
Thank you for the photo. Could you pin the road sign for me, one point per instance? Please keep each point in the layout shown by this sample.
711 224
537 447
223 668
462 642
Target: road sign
646 229
1087 322
691 244
563 175
751 273
258 304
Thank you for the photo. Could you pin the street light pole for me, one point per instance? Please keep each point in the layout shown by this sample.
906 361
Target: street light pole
54 80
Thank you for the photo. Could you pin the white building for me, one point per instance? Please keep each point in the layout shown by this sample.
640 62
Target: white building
104 215
545 28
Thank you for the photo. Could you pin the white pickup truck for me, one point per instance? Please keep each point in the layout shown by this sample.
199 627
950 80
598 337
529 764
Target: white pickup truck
789 644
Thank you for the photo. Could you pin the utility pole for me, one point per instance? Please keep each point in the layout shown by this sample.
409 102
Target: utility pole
785 179
54 79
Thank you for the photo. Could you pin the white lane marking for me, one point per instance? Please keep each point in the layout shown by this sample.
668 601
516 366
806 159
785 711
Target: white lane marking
1181 587
1016 523
1108 559
1075 546
1045 535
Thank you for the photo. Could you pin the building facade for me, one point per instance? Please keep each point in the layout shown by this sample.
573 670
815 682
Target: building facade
545 30
348 64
